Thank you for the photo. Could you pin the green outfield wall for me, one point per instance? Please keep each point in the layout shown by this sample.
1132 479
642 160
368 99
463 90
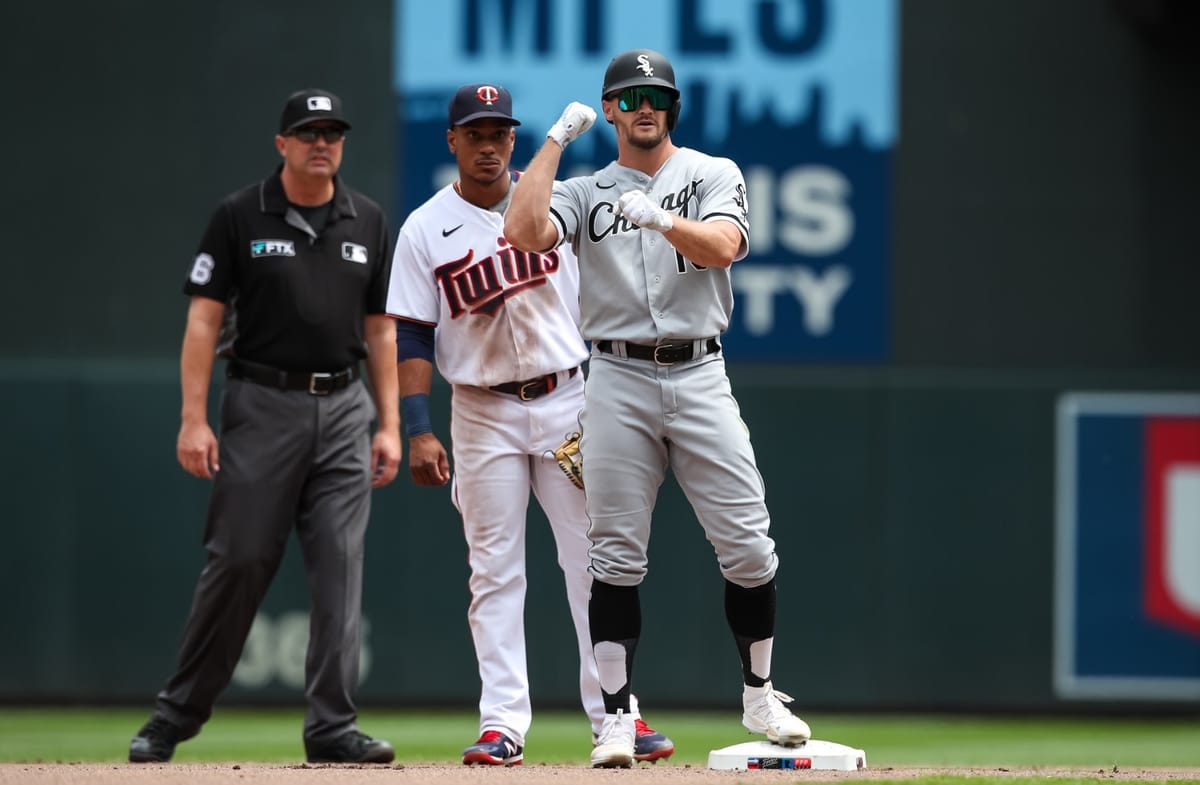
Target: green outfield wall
913 514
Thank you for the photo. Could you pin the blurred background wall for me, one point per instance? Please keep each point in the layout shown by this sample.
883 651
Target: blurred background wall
1041 244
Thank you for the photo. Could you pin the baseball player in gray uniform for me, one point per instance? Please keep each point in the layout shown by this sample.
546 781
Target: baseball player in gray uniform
656 233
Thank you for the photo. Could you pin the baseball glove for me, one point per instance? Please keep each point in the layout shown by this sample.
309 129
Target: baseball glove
570 460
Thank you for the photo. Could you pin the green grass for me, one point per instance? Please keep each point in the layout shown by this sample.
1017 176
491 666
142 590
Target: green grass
999 779
234 734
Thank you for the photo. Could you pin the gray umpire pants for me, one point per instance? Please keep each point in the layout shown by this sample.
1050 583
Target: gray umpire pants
289 461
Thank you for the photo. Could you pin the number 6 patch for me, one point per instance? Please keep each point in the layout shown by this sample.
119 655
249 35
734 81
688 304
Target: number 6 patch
202 269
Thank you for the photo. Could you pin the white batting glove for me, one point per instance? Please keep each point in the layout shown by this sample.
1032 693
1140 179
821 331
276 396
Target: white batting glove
638 208
575 119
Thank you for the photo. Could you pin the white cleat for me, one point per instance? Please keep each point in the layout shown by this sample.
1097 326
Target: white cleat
614 746
764 712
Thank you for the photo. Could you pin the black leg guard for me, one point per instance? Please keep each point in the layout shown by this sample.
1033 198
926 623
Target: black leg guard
751 617
615 615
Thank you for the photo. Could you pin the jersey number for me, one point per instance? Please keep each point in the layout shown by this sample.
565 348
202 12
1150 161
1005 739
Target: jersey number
681 264
202 269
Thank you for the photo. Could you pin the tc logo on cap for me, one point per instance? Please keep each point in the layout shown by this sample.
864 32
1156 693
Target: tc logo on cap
488 94
320 103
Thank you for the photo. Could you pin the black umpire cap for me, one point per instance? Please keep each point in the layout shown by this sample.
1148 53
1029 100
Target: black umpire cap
476 101
309 106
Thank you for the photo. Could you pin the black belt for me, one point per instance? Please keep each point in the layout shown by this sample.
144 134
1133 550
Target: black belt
317 383
534 388
664 353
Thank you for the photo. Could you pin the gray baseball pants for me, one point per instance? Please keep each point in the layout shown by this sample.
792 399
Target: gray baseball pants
289 461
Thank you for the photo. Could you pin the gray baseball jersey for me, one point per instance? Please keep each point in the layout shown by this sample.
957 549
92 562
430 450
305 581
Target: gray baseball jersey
639 417
634 285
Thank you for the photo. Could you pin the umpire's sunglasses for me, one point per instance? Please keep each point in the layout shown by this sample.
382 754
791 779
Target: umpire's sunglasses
630 99
308 134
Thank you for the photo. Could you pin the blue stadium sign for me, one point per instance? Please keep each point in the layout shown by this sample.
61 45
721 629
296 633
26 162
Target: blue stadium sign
801 93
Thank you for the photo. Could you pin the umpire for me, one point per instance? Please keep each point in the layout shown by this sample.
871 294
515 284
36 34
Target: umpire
289 286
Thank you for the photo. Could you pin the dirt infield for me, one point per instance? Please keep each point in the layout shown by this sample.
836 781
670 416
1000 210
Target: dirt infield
444 774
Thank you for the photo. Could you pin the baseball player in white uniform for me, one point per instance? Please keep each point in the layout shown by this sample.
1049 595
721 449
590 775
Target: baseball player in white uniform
503 324
656 233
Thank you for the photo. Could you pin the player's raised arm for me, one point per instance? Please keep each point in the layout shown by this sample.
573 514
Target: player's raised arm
527 220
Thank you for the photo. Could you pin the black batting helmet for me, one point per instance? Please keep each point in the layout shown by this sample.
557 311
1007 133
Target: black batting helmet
638 67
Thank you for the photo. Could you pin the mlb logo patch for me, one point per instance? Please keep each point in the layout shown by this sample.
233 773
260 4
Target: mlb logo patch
353 252
1127 567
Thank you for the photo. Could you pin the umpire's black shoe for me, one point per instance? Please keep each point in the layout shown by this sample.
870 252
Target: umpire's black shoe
155 742
350 747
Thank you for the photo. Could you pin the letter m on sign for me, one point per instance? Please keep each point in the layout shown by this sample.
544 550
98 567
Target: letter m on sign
498 20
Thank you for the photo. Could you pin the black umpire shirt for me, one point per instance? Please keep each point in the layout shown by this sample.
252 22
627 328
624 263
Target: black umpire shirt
295 297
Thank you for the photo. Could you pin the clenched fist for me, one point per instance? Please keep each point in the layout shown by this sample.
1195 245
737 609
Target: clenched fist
575 119
636 206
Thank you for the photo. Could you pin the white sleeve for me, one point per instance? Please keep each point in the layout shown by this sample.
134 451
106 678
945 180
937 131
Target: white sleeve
412 291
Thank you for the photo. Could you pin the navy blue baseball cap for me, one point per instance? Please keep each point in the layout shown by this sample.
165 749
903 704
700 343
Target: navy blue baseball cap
309 106
476 101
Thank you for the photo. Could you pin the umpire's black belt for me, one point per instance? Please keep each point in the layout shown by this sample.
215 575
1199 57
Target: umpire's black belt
315 383
662 354
534 388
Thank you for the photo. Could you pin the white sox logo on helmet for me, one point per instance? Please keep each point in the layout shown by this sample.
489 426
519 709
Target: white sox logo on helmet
488 94
644 65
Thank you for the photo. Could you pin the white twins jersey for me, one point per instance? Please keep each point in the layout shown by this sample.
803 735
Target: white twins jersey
634 285
501 315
